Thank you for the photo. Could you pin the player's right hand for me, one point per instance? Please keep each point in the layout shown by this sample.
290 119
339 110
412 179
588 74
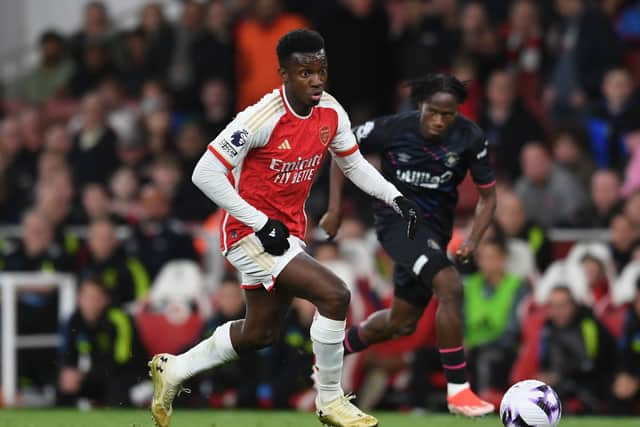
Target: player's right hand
330 223
273 237
410 211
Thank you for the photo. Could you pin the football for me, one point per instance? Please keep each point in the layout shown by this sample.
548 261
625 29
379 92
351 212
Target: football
530 403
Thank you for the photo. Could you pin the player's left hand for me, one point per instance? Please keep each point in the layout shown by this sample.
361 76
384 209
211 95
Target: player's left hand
330 223
410 211
465 251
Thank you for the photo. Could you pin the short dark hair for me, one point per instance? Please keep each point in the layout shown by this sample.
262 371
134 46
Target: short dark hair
298 41
51 36
423 88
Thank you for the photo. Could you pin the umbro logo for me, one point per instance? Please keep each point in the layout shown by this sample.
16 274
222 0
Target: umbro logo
285 145
272 233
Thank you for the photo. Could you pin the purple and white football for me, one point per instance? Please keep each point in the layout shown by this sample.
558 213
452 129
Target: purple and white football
530 403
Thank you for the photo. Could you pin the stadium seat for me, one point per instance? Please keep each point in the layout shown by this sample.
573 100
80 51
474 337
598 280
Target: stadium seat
612 316
161 335
526 363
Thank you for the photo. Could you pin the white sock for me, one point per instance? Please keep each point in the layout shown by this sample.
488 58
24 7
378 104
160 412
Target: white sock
327 336
214 351
453 389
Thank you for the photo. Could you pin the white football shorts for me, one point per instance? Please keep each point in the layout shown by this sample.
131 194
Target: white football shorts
257 267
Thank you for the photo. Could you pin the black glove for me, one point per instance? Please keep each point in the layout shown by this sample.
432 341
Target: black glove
410 211
273 237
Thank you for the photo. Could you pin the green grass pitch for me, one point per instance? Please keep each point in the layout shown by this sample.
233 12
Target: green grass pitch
211 418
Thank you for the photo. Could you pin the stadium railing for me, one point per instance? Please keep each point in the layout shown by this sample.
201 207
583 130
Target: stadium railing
11 284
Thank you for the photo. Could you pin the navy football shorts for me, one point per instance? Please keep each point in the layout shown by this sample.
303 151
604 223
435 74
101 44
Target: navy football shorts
416 261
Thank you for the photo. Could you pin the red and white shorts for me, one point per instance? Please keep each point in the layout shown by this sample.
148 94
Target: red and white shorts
257 267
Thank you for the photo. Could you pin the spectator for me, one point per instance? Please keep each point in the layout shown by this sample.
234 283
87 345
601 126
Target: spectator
605 201
37 250
491 300
57 139
585 46
612 8
159 39
120 115
96 65
30 122
100 354
479 40
575 353
356 34
507 124
612 118
256 39
96 28
191 144
50 77
19 172
158 134
50 163
187 202
512 217
95 203
181 74
54 199
217 112
212 54
570 152
626 386
124 187
465 71
624 238
425 37
524 43
594 266
158 238
550 195
123 277
133 68
93 157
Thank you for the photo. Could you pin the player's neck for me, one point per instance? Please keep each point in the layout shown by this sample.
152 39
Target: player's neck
297 106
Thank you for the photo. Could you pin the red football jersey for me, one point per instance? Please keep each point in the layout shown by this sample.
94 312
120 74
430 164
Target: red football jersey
273 155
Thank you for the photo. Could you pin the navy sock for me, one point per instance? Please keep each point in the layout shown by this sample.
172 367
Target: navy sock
353 342
454 364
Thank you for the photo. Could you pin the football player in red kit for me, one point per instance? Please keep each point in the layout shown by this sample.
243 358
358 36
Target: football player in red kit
260 170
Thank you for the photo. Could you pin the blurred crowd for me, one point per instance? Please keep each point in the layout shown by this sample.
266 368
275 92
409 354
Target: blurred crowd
98 142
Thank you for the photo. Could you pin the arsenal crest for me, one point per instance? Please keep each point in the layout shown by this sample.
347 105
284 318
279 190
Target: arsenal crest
325 133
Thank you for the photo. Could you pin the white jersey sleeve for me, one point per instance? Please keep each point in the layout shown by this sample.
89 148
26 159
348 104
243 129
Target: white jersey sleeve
250 129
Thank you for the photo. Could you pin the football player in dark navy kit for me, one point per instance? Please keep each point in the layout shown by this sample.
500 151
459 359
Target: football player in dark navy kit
426 154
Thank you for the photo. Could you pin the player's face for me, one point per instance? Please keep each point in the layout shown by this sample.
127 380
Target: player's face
305 77
437 113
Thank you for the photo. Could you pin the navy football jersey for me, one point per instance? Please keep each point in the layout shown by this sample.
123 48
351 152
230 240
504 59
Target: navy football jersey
426 170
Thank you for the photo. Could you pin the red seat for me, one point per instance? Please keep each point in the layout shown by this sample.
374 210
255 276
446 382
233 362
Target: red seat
611 316
159 335
526 363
